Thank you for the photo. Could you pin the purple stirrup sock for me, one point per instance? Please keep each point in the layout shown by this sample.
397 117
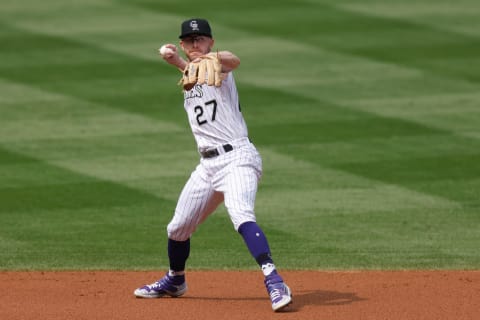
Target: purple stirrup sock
256 242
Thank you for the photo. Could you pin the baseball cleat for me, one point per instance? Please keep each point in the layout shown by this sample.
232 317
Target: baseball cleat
171 286
280 294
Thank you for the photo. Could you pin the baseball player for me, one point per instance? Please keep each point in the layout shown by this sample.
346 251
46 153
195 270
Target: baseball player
230 165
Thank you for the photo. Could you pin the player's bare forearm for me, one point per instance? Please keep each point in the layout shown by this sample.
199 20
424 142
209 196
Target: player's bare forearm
181 64
228 60
178 62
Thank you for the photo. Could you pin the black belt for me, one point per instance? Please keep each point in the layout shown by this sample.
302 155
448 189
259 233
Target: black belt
214 152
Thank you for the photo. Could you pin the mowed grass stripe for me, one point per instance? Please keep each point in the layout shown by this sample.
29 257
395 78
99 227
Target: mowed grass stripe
56 218
89 238
338 216
456 112
439 165
416 172
459 17
29 113
380 38
88 139
313 190
395 148
68 189
121 82
114 26
360 138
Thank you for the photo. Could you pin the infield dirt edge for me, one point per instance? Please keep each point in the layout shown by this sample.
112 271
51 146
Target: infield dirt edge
423 294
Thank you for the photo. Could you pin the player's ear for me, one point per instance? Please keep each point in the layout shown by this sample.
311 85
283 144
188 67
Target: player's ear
182 46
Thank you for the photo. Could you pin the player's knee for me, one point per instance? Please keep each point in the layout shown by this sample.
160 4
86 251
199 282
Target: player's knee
178 233
238 223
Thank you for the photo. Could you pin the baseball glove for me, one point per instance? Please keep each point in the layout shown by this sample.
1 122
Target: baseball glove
207 70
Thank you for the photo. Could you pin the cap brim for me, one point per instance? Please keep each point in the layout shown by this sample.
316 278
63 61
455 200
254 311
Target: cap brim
194 33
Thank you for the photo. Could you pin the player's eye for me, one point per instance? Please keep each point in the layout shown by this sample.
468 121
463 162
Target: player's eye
191 40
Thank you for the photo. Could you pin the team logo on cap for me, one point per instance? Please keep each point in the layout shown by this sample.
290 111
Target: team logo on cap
194 25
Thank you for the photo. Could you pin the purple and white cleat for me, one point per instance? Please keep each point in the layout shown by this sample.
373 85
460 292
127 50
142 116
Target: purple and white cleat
280 294
168 285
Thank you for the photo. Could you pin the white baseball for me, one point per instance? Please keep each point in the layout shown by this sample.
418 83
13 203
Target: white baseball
164 50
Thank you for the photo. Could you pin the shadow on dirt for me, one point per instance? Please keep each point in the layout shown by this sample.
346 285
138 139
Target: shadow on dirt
324 298
302 299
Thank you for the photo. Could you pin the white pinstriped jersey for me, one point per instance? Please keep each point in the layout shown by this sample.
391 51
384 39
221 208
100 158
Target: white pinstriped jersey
214 113
232 177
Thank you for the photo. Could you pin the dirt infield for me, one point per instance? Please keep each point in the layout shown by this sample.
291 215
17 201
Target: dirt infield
241 295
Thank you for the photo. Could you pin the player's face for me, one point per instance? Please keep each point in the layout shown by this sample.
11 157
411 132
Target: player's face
196 45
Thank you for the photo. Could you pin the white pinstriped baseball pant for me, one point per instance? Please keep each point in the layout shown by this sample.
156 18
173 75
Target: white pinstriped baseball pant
231 177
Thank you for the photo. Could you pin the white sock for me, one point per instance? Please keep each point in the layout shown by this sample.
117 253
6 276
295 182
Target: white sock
172 273
268 268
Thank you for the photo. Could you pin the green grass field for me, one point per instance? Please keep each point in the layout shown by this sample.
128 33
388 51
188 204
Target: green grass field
367 114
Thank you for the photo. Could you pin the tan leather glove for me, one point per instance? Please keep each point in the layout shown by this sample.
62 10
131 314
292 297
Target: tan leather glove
207 70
